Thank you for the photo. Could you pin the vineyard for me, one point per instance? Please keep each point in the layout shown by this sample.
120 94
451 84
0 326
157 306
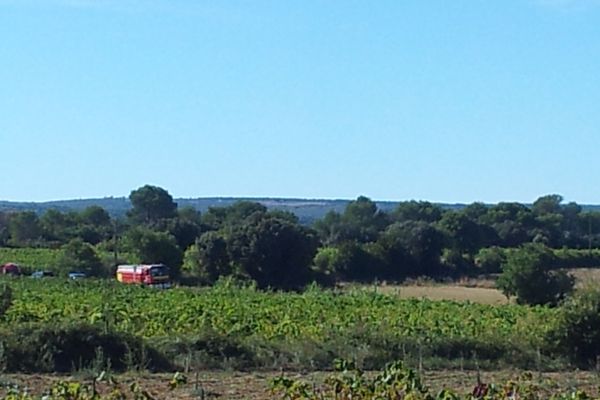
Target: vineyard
244 311
29 257
36 259
264 329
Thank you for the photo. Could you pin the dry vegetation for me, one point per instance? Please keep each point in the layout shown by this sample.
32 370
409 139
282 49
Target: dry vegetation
255 386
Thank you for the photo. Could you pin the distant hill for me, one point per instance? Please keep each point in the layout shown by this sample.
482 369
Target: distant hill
307 210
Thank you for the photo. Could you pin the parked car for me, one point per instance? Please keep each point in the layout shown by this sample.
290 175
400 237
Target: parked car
77 275
42 274
10 269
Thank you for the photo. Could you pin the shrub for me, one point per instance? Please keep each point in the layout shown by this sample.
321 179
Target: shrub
526 275
80 256
578 331
490 260
48 348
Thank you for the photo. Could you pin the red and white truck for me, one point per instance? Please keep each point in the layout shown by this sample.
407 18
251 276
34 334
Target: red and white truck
153 275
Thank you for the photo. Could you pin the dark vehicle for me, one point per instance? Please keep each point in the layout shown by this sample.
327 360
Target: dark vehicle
77 275
42 274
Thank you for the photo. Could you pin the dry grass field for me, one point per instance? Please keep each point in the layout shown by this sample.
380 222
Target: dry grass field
451 292
586 276
476 290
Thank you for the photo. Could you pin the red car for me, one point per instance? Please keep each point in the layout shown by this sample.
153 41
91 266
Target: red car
10 269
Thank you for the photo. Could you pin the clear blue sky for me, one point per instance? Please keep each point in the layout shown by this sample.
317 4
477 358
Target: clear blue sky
453 101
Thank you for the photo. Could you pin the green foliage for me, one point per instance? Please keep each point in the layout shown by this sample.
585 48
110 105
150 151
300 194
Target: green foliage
6 299
577 334
417 211
4 224
418 246
208 258
58 226
350 261
396 381
246 311
63 347
151 204
490 260
352 383
219 217
24 228
81 257
68 390
462 233
272 251
34 258
327 260
527 276
363 221
151 247
330 228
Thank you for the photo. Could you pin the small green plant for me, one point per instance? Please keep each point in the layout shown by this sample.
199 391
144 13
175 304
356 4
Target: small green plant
177 380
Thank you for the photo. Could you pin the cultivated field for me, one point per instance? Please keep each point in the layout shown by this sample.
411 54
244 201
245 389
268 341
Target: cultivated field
237 385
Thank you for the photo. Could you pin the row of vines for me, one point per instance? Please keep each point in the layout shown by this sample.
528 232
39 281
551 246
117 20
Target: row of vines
236 311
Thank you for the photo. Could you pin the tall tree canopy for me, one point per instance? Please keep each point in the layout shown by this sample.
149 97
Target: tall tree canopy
151 204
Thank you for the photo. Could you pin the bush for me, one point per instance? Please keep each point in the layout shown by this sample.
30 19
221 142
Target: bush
527 276
578 331
80 256
490 260
48 348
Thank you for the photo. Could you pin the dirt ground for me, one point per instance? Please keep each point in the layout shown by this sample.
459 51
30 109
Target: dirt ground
477 290
450 292
255 386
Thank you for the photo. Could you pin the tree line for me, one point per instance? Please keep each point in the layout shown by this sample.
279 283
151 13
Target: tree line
270 247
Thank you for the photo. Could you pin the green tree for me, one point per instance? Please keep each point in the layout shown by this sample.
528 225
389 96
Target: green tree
462 233
417 245
549 204
208 258
95 216
80 256
513 223
150 204
362 221
4 228
330 228
527 276
24 228
186 227
476 211
6 299
417 211
151 247
58 227
350 261
490 259
217 217
272 251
